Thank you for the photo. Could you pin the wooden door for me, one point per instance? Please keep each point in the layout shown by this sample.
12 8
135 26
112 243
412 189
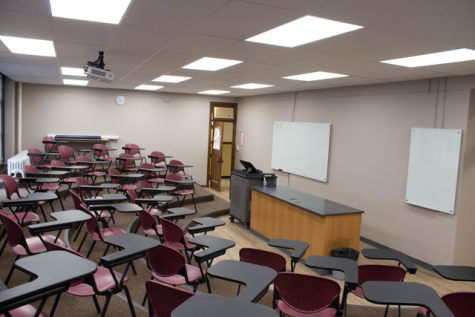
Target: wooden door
216 155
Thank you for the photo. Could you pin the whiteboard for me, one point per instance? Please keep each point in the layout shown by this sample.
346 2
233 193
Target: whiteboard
301 148
433 168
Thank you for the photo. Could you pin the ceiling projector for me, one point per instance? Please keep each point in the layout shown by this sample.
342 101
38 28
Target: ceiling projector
95 70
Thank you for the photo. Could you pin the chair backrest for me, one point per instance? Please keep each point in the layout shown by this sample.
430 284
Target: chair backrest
77 201
173 177
83 158
10 185
30 169
144 184
175 170
379 272
127 162
34 160
81 182
262 257
66 152
171 232
58 163
146 220
132 195
306 293
113 171
461 304
92 225
15 234
49 146
164 299
100 154
165 261
147 174
133 152
157 160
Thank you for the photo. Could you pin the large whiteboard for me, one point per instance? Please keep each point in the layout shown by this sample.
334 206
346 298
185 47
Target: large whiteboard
301 148
433 168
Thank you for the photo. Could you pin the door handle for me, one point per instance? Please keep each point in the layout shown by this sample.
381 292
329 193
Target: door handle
220 160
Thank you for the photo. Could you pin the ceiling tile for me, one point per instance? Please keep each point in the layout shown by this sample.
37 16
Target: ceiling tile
462 38
291 56
37 60
122 86
43 69
370 12
121 67
28 6
279 72
240 20
402 49
368 68
402 73
303 6
3 48
220 75
197 44
172 59
83 32
249 67
328 63
4 67
7 57
131 81
73 62
26 25
46 75
48 81
357 40
81 48
440 20
127 55
24 79
177 15
92 56
188 72
452 67
244 51
142 38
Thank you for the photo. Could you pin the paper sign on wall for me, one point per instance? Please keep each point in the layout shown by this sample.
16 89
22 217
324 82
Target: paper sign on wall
241 139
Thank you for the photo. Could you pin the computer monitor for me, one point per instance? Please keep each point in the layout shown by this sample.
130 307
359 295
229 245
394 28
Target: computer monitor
249 167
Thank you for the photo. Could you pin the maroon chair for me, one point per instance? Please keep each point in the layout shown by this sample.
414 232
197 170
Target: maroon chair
90 172
67 152
21 217
461 304
177 170
152 211
44 187
83 193
150 176
145 184
64 179
133 152
102 155
103 279
97 234
175 239
50 147
25 311
298 294
128 165
36 160
121 188
163 299
378 272
169 266
179 189
156 161
149 226
22 246
264 258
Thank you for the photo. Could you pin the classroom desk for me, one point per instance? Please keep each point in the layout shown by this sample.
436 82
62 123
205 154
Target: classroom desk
161 189
215 247
205 224
456 273
64 220
178 213
299 248
257 278
44 157
84 151
71 169
132 148
125 208
50 281
47 174
155 201
388 254
106 199
123 179
152 170
99 188
55 144
208 305
405 293
287 213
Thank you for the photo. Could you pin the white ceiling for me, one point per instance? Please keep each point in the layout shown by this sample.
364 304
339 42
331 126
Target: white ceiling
158 37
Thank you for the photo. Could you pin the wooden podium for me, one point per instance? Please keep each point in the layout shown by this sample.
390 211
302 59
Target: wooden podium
287 213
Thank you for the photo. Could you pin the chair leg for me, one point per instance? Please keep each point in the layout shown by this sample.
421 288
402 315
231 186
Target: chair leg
239 289
79 230
82 241
3 247
195 286
386 313
60 201
129 300
107 249
90 250
96 303
209 286
43 212
106 304
133 268
193 198
56 300
11 271
399 310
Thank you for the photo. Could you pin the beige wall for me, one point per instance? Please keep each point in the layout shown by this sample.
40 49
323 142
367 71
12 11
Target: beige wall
178 128
369 153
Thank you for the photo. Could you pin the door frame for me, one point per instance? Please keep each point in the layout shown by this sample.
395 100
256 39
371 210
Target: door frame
212 105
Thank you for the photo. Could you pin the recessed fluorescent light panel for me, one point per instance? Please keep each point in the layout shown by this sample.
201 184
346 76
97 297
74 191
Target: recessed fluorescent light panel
214 92
104 11
171 79
19 45
252 86
302 31
75 82
148 87
315 76
211 64
454 56
73 71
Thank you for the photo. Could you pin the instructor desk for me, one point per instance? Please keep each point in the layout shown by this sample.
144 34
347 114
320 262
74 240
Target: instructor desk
287 213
